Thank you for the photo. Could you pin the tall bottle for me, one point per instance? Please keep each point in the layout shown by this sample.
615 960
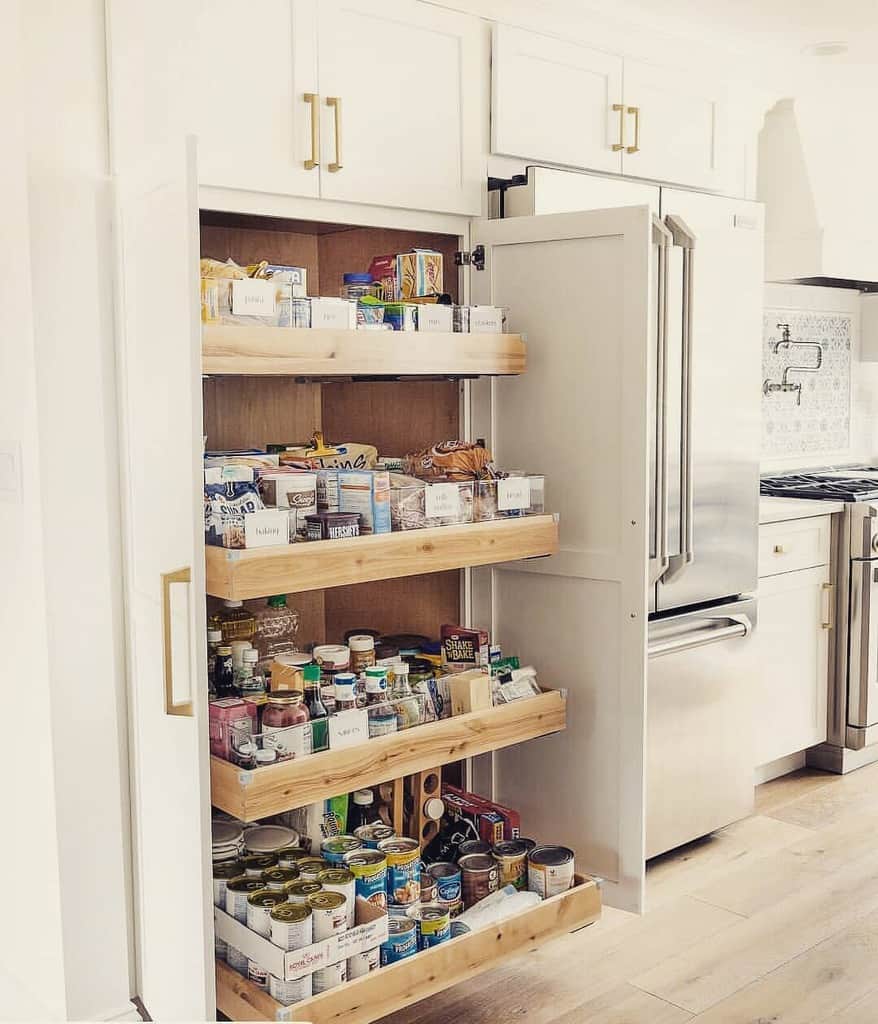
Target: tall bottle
214 639
235 621
223 673
406 704
275 629
316 708
363 810
250 680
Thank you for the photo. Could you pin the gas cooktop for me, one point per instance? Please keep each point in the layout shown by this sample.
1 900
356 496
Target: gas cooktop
849 483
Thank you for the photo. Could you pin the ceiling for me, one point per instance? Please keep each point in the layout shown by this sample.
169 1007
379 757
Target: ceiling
779 27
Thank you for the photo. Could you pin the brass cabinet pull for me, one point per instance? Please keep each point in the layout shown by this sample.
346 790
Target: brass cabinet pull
636 147
779 549
619 108
830 618
171 708
314 100
335 101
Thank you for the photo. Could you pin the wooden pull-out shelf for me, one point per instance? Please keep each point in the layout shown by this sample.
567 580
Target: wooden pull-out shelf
397 985
305 352
251 795
317 565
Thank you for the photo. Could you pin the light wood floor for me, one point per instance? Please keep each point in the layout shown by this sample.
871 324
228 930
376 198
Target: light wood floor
772 919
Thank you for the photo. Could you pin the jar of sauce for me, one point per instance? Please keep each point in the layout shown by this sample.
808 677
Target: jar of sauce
283 711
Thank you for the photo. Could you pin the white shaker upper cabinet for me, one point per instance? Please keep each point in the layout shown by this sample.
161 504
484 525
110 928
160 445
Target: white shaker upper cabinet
674 126
553 101
256 65
401 103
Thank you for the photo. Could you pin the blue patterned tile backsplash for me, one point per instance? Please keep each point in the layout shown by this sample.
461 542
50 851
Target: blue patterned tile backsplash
822 423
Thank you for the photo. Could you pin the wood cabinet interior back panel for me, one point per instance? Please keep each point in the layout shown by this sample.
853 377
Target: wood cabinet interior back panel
249 412
414 604
396 416
250 245
351 252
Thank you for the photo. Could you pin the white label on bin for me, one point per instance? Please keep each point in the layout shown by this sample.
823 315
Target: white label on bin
486 319
348 729
513 493
332 313
442 501
266 528
253 298
433 317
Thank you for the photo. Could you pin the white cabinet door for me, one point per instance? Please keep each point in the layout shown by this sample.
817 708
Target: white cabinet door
254 64
791 660
401 101
159 385
552 100
675 121
579 286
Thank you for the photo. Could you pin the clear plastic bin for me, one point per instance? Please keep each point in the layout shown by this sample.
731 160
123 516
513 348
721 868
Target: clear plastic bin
490 495
416 504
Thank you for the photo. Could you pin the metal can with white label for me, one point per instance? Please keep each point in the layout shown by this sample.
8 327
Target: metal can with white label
290 856
329 914
278 878
238 891
236 960
292 926
549 870
220 947
288 992
329 977
364 963
310 868
255 863
259 907
434 924
257 974
334 849
223 871
341 880
301 889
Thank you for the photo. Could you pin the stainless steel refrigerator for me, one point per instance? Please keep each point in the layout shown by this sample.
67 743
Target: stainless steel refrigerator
642 310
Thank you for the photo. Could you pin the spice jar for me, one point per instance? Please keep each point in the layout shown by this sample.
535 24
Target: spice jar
356 286
362 652
376 685
345 691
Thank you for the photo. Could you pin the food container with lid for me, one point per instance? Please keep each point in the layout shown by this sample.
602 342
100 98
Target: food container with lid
356 286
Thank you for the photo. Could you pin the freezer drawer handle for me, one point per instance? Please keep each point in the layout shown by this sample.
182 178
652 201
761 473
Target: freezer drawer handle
685 239
736 626
183 708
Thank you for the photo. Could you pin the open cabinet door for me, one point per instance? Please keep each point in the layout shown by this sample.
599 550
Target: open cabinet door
581 288
159 382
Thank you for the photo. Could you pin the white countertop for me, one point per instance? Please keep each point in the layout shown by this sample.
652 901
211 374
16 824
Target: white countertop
776 510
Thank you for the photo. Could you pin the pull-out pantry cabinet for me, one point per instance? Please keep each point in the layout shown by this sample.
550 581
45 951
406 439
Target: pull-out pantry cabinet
574 609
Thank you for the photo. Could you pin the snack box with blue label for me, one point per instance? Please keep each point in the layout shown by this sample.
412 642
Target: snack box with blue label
369 931
366 492
410 274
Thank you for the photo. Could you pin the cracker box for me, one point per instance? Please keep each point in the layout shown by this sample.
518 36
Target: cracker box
463 648
366 492
408 275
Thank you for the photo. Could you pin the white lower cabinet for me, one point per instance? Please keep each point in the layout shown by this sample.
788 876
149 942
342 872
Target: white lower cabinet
791 661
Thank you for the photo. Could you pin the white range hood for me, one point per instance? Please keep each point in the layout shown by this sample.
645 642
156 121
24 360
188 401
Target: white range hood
818 156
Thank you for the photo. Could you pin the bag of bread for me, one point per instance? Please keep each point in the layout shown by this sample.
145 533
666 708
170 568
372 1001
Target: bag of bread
451 460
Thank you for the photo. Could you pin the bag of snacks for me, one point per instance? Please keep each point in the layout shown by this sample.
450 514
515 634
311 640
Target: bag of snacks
450 460
225 505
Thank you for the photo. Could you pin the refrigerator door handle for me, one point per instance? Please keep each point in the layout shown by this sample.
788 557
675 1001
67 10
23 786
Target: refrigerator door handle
685 239
658 565
725 627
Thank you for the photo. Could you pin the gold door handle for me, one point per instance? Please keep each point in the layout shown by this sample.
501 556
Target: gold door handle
183 707
335 101
636 147
830 618
314 100
779 549
619 108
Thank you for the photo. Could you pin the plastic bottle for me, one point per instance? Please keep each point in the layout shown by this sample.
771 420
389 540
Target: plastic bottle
316 709
251 680
275 629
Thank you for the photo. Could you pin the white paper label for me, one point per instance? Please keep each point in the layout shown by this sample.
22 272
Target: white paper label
266 527
348 729
513 493
253 298
332 313
488 319
288 741
433 317
442 501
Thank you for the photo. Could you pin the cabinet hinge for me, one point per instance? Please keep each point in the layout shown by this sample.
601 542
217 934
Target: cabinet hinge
476 258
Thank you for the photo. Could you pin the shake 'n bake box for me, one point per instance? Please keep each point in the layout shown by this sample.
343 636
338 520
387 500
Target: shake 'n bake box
464 648
408 275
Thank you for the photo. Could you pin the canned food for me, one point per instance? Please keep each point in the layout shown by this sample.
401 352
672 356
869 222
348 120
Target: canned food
290 856
549 870
371 835
511 857
287 992
237 960
222 872
257 974
428 887
255 863
459 928
278 877
472 846
529 843
220 947
434 924
310 868
237 892
329 977
341 880
291 925
334 848
447 878
364 963
401 941
329 914
369 868
403 870
259 907
479 877
301 890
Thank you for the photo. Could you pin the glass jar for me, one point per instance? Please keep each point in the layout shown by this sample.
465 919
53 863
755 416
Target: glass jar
251 679
405 703
283 710
362 649
376 686
345 691
235 621
356 286
275 628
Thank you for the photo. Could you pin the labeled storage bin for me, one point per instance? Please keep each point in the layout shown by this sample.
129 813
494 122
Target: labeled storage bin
416 504
509 497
